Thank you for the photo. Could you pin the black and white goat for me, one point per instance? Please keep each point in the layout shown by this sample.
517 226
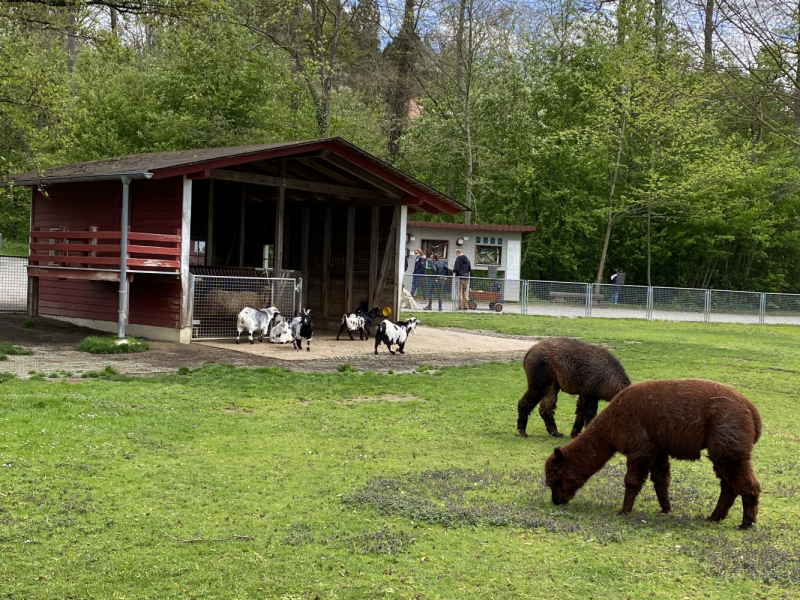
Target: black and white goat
358 321
395 333
254 320
302 328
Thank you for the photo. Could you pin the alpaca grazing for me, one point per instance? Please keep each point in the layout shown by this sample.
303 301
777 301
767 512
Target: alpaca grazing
554 364
358 321
653 421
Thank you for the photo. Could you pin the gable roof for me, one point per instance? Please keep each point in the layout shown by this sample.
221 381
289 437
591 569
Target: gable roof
158 165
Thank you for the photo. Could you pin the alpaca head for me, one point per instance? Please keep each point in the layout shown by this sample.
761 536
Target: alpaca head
558 478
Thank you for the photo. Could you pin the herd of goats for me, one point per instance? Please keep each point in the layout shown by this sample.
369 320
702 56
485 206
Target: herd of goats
648 422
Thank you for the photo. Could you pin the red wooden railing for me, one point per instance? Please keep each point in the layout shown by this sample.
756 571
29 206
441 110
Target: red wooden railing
101 250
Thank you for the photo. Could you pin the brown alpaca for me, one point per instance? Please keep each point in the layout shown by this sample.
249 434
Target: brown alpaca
554 364
653 421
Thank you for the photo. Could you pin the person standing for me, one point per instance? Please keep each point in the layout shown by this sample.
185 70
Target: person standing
461 269
419 269
614 286
437 283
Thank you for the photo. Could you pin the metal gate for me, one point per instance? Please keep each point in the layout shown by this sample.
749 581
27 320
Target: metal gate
217 301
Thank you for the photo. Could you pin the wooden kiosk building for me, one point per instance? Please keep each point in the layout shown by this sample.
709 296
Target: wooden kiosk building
328 211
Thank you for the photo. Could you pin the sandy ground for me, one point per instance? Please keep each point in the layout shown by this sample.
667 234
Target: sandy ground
53 344
425 341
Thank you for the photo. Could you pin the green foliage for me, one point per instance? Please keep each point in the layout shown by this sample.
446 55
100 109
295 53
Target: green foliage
7 349
109 345
106 373
28 324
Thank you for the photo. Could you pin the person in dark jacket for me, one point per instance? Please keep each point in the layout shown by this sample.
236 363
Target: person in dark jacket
420 264
461 269
437 283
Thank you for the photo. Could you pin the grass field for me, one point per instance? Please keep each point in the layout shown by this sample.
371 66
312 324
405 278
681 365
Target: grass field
364 485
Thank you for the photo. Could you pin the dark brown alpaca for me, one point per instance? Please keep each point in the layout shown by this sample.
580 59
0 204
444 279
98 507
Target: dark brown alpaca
590 372
653 421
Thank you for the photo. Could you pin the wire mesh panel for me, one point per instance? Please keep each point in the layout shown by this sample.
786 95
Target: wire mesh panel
421 291
678 304
734 307
13 283
619 301
782 309
557 298
218 301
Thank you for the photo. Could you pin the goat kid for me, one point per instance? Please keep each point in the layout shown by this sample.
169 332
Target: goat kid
302 328
281 333
358 321
255 320
395 333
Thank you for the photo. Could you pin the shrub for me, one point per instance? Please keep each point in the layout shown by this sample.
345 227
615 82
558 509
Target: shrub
108 345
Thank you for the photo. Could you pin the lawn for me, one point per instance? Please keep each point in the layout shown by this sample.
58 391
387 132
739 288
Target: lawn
364 485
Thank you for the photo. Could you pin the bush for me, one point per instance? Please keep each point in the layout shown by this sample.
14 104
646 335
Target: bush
108 345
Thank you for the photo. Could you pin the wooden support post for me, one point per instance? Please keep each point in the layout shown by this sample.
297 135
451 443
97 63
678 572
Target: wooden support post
348 277
388 258
280 209
326 262
33 296
304 255
373 254
242 224
401 214
210 230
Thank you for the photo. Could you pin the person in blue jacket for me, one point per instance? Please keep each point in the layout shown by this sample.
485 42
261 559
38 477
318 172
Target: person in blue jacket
420 264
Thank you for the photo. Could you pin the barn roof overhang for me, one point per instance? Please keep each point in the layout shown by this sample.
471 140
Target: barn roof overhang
310 171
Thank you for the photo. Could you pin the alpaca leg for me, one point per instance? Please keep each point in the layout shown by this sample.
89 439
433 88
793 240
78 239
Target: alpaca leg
661 478
577 427
638 468
547 410
525 406
726 498
401 347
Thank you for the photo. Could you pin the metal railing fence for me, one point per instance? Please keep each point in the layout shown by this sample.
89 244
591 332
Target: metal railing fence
13 283
218 300
573 299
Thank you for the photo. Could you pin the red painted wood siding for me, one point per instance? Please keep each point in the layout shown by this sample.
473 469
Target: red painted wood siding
79 205
157 206
156 303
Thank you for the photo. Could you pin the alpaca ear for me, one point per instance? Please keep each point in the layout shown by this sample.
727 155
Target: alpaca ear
558 454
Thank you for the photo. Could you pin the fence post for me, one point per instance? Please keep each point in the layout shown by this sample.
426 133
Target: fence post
649 307
525 297
762 308
298 288
589 287
707 309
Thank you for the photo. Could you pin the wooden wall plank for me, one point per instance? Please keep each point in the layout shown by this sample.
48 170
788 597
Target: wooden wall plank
349 260
326 262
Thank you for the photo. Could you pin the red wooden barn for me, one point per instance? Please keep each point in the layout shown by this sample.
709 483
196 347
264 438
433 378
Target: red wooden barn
326 211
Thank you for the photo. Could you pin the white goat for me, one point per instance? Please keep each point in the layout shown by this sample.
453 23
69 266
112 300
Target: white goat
281 333
256 321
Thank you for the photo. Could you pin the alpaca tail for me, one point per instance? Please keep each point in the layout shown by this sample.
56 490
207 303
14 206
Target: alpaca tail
756 423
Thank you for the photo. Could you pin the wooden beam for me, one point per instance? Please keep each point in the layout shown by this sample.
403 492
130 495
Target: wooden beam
242 224
373 254
388 257
363 174
326 262
304 255
348 273
280 210
210 230
318 166
296 184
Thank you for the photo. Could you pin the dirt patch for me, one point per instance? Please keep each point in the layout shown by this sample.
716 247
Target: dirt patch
54 351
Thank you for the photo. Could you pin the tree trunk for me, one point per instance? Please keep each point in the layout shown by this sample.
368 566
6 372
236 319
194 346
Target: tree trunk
658 33
72 49
400 94
610 222
708 33
649 207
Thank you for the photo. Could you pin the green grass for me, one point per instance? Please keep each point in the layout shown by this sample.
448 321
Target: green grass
14 248
7 349
319 486
108 345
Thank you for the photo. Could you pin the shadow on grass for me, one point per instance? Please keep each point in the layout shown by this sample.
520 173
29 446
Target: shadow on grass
461 498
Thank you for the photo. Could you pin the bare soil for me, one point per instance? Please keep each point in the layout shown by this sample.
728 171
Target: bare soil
54 345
